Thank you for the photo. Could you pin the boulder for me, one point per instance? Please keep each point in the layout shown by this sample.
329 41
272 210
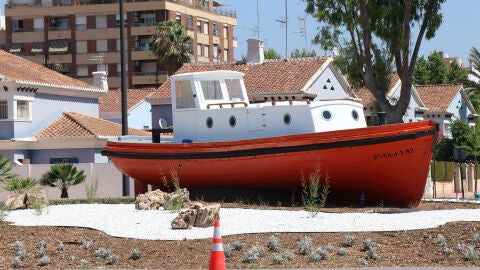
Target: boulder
206 214
185 219
172 197
198 215
16 201
36 197
150 201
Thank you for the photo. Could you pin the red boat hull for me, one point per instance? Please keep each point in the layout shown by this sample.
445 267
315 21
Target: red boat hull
388 163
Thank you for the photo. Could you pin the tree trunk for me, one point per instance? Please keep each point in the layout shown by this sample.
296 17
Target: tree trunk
64 193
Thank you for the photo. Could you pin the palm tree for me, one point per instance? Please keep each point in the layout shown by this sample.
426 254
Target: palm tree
62 176
5 168
472 85
172 45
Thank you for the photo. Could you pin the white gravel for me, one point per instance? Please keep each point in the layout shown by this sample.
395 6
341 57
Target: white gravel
122 220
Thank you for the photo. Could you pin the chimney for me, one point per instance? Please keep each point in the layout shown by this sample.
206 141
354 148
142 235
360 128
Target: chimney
100 79
255 51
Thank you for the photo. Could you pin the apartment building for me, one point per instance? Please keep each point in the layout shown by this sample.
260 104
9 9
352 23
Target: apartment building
77 37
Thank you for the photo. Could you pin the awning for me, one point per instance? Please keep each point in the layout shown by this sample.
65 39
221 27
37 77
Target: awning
37 48
58 46
16 48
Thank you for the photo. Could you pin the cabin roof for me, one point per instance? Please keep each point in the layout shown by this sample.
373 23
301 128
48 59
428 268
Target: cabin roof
438 97
72 124
112 100
269 77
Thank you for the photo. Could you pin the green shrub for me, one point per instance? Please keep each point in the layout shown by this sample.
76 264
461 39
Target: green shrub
312 197
3 211
135 254
19 185
442 170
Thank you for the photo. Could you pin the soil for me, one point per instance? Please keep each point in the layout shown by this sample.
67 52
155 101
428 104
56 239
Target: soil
396 248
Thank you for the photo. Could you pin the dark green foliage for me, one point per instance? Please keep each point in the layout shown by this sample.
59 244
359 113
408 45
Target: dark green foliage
434 71
442 170
271 54
62 176
19 185
172 45
303 53
5 168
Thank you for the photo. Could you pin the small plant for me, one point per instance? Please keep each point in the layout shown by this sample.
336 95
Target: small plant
318 255
253 254
72 258
368 244
102 253
17 262
329 248
305 245
470 254
476 238
61 247
40 253
19 250
238 246
447 251
274 244
135 254
2 258
342 251
19 185
175 203
277 259
41 244
372 254
45 260
3 211
362 261
227 250
459 247
91 191
288 255
83 261
112 258
312 198
62 176
86 244
349 240
439 240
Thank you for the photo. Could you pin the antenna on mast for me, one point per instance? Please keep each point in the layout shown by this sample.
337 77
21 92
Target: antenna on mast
285 21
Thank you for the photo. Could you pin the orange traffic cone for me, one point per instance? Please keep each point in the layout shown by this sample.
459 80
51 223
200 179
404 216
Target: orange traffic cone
217 257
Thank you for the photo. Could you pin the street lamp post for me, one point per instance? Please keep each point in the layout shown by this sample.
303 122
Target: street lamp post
125 178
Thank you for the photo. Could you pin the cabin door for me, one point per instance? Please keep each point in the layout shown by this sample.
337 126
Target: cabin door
256 119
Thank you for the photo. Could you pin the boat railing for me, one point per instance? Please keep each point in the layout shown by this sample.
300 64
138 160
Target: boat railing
274 102
232 104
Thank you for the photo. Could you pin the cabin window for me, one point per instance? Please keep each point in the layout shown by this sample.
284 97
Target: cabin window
327 115
234 89
209 122
232 121
211 90
287 118
355 115
184 95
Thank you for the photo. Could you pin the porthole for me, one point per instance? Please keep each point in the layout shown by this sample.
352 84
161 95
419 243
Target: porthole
327 115
232 121
355 115
287 118
209 122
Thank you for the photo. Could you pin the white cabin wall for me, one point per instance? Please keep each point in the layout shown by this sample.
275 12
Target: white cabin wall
323 85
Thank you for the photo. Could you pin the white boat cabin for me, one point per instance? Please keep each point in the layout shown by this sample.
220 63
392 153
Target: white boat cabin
213 106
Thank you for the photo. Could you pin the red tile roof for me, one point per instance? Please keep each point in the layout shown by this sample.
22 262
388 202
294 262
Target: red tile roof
267 78
438 97
19 69
367 97
72 124
112 101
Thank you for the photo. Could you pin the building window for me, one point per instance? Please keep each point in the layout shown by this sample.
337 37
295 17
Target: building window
178 18
17 25
38 25
199 49
82 46
206 48
215 28
215 51
205 28
102 45
119 45
124 20
63 160
199 26
189 22
23 110
101 22
59 23
82 71
3 109
62 68
81 22
119 68
225 32
225 55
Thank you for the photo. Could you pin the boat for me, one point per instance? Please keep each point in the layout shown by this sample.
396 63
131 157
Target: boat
222 140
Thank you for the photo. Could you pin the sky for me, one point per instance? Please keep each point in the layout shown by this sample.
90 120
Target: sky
459 32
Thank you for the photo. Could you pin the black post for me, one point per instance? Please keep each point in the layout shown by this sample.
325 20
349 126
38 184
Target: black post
382 116
125 178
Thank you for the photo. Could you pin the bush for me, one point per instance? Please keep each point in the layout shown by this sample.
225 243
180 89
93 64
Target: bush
305 245
312 198
3 211
274 244
19 185
470 254
342 251
45 260
368 244
135 254
318 255
277 259
439 240
349 240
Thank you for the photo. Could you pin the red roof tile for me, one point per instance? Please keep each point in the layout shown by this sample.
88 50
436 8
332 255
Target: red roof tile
269 77
112 100
438 97
72 124
16 68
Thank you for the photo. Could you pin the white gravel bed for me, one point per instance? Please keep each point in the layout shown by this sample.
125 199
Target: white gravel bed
122 220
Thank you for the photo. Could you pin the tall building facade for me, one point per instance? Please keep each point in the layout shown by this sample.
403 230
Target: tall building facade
78 37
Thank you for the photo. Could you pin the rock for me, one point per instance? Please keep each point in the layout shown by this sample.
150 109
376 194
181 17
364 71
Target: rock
206 214
36 197
198 215
185 219
172 197
150 201
16 201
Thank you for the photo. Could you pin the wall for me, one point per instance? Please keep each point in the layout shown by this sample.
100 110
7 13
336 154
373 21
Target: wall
83 155
108 177
327 86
